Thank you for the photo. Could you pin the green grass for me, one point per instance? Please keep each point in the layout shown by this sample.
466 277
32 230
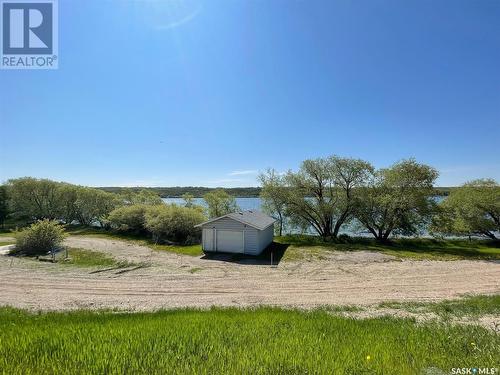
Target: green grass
471 306
313 247
232 341
192 250
88 258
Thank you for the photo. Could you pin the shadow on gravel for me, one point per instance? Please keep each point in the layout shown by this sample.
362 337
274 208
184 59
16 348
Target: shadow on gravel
272 255
121 269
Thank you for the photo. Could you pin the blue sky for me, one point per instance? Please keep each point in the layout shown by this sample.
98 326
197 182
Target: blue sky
162 93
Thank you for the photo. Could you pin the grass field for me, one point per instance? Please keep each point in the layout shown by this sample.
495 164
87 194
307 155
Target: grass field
313 247
232 341
88 258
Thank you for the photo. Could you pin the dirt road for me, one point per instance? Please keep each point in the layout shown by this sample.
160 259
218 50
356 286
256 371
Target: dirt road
168 280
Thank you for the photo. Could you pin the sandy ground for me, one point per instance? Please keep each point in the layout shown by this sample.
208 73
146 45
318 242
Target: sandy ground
168 280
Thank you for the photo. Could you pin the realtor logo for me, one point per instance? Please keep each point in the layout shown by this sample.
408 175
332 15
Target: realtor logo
29 34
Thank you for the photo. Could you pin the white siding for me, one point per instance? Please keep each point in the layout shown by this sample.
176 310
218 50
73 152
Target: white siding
266 237
251 241
255 240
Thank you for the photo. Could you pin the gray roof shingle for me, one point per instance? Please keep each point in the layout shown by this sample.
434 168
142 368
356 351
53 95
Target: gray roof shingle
255 219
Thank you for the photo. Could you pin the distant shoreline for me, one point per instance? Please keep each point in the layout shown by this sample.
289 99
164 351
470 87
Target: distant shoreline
199 191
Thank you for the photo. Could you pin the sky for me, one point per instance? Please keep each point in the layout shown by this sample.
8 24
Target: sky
209 93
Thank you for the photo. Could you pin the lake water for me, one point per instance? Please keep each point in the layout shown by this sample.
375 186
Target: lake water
244 203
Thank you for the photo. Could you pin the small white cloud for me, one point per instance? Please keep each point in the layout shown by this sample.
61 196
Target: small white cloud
176 23
243 173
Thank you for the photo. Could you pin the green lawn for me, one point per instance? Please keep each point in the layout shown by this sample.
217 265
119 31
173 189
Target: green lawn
88 258
232 341
85 258
313 247
5 241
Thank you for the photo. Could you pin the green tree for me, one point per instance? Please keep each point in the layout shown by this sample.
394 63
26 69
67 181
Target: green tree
67 196
274 196
34 198
4 208
220 203
349 176
94 205
144 196
40 238
472 209
130 218
174 223
398 200
188 199
322 193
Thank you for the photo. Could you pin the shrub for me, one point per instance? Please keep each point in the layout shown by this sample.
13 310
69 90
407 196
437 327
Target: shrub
40 238
174 223
129 218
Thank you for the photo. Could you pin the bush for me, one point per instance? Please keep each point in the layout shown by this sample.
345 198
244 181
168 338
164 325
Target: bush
129 218
40 238
174 223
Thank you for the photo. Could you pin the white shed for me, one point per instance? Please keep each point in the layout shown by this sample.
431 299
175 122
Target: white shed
246 232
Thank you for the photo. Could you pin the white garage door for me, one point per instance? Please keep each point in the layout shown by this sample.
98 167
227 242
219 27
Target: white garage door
230 241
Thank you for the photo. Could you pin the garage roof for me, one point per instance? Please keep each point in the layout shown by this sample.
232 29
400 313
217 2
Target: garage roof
255 219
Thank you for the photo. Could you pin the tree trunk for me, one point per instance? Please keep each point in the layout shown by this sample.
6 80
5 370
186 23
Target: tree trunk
490 235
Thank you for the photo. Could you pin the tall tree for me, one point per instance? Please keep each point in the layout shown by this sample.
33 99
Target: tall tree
311 198
274 196
322 193
472 209
348 175
144 196
188 200
398 200
220 203
4 208
95 205
34 198
67 196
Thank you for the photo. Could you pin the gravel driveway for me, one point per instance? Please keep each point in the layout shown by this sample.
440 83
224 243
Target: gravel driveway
169 280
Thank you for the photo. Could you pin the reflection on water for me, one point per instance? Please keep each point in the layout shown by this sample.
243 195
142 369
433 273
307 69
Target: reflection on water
243 203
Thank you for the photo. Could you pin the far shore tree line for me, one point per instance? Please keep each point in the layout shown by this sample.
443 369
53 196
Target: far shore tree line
324 195
199 191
